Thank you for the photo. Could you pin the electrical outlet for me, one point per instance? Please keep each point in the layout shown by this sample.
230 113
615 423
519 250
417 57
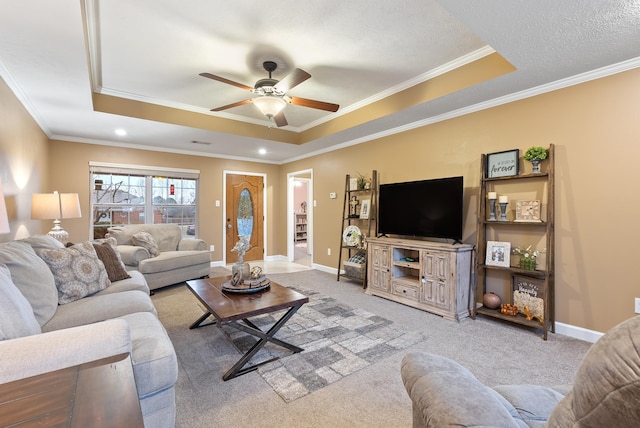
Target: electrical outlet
328 251
637 305
212 248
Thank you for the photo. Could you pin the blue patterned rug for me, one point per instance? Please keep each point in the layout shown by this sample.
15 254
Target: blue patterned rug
338 340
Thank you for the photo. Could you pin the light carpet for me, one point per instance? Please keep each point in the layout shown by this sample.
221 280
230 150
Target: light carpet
338 340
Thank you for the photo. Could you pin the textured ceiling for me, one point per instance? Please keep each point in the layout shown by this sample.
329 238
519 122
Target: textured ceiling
86 68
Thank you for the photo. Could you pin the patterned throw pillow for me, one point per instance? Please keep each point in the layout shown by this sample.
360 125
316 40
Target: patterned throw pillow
145 240
110 259
77 270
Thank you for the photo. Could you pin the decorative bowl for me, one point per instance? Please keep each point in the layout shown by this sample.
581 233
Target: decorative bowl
507 309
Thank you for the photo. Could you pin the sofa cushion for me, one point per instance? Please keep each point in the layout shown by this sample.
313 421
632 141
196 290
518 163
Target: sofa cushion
77 270
32 277
43 242
100 307
169 260
16 315
606 391
154 360
112 263
145 240
136 281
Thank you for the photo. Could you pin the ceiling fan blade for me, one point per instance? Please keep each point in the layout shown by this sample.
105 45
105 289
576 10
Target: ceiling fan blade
280 119
239 103
227 81
320 105
292 80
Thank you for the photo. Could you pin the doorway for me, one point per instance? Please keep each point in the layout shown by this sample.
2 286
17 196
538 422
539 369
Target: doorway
244 208
300 218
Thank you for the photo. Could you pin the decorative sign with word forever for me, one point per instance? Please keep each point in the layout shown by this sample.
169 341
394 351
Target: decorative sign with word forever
503 164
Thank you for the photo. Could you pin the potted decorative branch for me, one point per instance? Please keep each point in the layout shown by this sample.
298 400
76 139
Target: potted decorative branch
535 155
362 181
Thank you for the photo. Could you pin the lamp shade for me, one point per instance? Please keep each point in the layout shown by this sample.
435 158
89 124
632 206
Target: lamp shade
55 206
270 105
4 219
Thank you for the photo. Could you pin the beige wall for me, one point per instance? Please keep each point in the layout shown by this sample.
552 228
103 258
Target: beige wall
596 130
593 125
24 169
69 163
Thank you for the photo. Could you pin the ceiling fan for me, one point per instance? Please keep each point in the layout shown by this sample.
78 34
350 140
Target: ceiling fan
272 94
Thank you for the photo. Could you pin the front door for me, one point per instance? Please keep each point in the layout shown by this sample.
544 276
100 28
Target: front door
244 215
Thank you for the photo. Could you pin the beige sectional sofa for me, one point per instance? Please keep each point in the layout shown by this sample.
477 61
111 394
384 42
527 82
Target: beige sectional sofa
605 393
38 334
165 257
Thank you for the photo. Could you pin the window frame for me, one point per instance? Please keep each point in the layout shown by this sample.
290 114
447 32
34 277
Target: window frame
149 208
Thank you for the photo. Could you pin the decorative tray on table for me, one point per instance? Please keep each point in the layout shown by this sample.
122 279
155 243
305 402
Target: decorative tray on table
252 285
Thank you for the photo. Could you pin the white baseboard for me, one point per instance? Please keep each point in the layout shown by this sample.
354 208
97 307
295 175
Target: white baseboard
219 263
578 332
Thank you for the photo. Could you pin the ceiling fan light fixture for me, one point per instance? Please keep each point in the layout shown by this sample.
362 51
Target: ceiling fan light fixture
270 105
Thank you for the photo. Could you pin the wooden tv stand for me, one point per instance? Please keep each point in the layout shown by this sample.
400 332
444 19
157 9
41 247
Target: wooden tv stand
431 276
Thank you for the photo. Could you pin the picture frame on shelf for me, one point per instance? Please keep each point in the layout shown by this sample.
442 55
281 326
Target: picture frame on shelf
365 207
353 184
528 211
503 164
498 253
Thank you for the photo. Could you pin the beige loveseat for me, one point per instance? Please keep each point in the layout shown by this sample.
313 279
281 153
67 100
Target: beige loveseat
47 324
164 259
605 393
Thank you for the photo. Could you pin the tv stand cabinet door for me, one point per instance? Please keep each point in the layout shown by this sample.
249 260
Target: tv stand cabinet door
380 265
436 284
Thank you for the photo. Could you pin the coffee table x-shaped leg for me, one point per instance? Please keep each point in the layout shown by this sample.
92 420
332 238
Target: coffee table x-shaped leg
248 327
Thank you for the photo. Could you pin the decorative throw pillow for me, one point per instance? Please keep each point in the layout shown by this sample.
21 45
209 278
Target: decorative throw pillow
77 270
16 315
109 257
145 240
114 244
33 278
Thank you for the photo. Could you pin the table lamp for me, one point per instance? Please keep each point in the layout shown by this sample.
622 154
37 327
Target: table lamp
4 219
55 206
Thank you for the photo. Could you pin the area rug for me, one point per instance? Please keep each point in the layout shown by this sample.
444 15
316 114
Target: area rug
338 340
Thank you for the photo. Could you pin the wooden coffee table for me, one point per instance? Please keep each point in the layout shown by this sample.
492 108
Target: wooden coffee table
231 308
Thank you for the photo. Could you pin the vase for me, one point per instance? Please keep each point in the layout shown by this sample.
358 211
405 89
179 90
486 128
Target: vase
536 166
528 263
491 300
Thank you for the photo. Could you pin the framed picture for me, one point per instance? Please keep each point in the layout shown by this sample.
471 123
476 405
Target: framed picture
528 211
353 184
365 207
529 292
498 253
503 164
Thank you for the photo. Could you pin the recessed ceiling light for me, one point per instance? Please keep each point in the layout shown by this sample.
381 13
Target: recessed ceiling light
121 132
262 151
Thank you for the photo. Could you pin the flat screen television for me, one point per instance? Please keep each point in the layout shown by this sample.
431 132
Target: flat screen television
425 208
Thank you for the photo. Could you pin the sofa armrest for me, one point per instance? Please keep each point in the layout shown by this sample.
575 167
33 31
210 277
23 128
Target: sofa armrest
444 393
40 353
132 255
191 244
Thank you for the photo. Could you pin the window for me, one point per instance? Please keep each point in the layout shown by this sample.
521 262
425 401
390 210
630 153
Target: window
138 195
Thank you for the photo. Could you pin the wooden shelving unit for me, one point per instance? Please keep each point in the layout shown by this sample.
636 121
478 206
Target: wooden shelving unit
519 233
300 232
367 225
